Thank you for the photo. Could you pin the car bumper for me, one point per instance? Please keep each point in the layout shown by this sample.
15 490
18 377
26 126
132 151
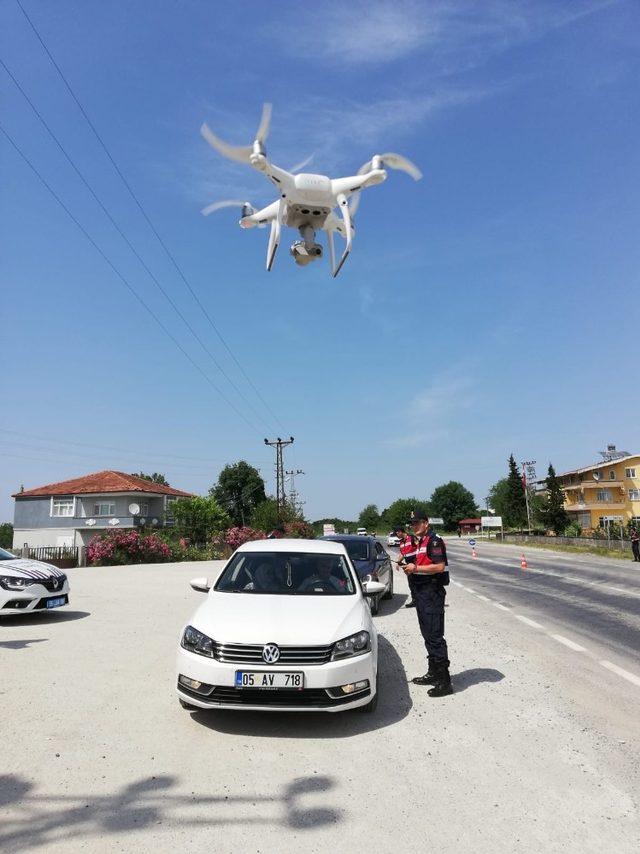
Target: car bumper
33 599
320 692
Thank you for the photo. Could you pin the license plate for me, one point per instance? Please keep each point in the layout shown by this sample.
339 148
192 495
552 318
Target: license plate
55 603
261 679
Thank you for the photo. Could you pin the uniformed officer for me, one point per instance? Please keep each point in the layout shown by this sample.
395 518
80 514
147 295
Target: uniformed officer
407 555
428 577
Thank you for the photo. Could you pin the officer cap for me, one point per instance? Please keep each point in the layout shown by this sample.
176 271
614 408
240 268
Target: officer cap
418 516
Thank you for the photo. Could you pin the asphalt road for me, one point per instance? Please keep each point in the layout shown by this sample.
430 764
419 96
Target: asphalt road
537 751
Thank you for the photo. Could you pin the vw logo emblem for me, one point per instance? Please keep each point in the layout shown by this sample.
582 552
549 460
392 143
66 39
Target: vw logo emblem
270 653
56 584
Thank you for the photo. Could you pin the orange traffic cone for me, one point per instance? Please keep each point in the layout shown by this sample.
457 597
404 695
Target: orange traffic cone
523 561
473 554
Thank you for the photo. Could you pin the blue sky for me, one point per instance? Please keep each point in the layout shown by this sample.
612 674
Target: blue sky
490 308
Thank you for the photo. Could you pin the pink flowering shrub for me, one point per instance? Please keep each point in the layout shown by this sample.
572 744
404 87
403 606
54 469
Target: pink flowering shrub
233 538
298 530
124 547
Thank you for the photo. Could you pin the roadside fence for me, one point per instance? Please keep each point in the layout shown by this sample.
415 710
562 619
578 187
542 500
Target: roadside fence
611 544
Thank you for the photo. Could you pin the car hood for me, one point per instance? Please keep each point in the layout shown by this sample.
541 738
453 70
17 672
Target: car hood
25 568
254 618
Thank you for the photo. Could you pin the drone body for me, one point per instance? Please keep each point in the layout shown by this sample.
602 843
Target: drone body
306 202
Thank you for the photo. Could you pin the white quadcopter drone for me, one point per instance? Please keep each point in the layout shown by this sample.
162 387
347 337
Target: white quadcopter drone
306 201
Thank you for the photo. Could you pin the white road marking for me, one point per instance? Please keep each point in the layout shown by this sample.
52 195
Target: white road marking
469 590
571 644
502 607
529 622
484 598
630 677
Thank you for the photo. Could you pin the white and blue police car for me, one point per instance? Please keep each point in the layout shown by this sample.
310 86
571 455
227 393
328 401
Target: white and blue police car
30 586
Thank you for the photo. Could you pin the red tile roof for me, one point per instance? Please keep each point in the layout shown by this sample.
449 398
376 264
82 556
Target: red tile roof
469 521
101 481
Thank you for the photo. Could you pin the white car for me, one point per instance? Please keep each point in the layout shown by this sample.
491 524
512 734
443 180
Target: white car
361 532
286 626
30 586
393 539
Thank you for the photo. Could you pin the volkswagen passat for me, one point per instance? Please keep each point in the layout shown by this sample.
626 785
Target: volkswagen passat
285 626
28 586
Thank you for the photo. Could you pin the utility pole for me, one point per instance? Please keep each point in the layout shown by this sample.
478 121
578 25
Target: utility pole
279 444
528 478
293 495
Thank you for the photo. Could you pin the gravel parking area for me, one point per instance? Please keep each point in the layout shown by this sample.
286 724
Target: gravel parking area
98 755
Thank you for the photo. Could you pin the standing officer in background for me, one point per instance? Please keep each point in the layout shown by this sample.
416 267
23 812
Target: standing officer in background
428 577
407 555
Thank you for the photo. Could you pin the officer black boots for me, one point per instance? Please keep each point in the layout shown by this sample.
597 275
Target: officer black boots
442 686
429 677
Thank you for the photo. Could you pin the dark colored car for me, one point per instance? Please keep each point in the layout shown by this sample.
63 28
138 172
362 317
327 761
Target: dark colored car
370 561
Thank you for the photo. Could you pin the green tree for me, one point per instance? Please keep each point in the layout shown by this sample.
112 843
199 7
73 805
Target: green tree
156 477
399 512
369 517
6 535
265 517
515 510
552 513
453 502
499 497
239 490
198 518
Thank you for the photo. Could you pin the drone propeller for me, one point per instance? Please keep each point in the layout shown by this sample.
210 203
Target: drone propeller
242 153
393 161
301 165
225 203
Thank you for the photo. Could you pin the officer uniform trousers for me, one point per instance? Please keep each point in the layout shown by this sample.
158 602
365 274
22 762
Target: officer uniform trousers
429 595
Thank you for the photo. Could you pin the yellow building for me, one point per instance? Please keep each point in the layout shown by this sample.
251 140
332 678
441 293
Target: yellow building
606 491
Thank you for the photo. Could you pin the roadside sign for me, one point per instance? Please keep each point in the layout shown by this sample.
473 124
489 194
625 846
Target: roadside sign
472 542
491 521
436 520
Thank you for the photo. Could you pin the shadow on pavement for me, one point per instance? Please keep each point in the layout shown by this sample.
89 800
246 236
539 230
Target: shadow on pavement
394 705
38 618
21 644
390 606
42 819
467 678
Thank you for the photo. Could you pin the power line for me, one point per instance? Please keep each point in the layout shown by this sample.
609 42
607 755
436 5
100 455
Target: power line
145 215
126 239
122 278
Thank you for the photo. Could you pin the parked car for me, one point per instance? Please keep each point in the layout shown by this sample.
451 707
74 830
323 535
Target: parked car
285 626
361 532
371 561
393 539
28 586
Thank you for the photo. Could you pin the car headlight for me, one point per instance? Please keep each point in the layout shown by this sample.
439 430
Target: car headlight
195 641
356 644
11 583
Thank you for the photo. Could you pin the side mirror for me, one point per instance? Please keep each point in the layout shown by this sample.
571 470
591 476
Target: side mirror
373 588
200 584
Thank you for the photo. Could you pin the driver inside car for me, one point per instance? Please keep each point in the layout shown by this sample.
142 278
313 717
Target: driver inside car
266 579
322 579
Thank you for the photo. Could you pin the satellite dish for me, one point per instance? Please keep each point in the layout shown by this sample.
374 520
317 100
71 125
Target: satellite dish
134 509
596 475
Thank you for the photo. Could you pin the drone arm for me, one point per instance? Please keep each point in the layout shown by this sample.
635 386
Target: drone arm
354 183
346 218
332 250
261 217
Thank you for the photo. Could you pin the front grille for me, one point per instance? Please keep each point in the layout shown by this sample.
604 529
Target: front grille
53 583
237 653
281 698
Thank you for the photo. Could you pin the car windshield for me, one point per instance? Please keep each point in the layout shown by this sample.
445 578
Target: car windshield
356 549
287 574
5 555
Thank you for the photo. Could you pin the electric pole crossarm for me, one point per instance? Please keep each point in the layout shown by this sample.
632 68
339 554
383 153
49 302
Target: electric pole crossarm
279 444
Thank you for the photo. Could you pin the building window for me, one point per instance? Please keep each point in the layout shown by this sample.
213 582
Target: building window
62 507
604 495
104 508
629 472
169 517
634 495
144 509
612 475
